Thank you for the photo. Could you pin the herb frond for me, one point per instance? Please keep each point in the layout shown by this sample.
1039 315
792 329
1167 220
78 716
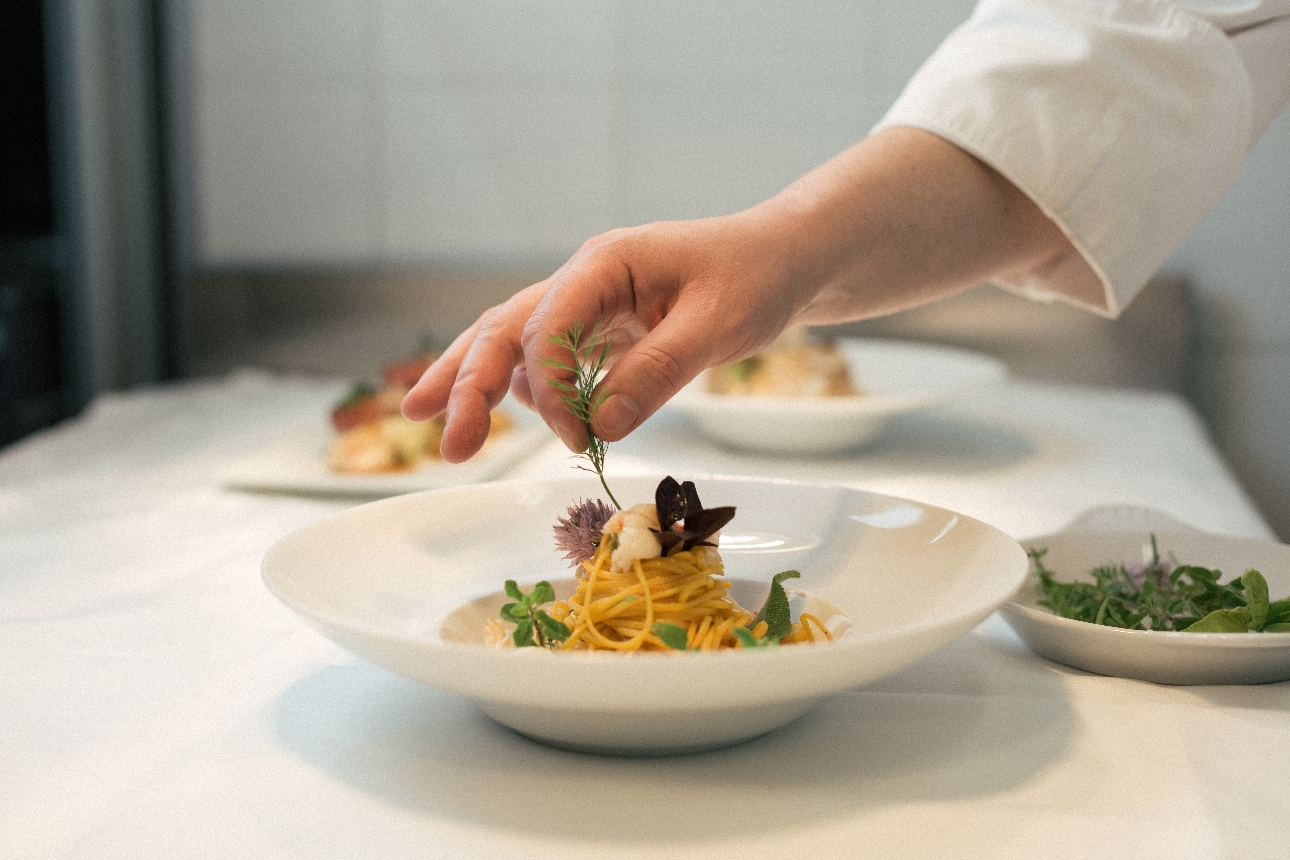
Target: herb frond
586 363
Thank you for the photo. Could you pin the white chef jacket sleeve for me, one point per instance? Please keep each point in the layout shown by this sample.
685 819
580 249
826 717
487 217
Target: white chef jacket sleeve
1124 120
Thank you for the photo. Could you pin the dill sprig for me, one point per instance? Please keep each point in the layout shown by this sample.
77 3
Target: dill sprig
587 363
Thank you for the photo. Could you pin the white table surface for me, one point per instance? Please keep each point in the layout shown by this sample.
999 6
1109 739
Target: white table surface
157 702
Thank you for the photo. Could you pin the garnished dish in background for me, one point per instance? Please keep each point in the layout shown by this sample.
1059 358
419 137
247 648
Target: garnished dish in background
373 437
1160 594
794 401
649 577
795 365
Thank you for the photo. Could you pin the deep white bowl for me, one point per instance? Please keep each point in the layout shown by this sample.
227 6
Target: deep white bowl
389 580
1162 657
895 377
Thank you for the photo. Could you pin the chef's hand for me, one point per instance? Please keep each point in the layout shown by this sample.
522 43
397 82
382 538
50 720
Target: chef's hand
900 219
674 298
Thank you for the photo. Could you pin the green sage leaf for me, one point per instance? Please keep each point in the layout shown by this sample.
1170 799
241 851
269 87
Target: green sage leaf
775 611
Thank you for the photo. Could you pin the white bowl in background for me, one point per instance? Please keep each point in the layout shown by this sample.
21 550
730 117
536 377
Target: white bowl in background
895 377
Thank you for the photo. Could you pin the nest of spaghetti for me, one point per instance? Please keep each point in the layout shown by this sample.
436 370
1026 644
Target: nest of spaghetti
651 578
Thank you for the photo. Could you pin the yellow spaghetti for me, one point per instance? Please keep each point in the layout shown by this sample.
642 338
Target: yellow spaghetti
617 610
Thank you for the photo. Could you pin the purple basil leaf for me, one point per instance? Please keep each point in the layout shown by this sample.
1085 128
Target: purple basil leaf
706 524
692 503
669 539
669 502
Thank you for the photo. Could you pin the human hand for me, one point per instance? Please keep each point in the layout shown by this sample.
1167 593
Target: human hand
674 298
902 218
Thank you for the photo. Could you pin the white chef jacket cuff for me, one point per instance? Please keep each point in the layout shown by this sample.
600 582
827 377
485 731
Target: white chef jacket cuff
1124 121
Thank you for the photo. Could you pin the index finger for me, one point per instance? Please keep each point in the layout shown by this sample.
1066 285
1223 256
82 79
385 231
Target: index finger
473 375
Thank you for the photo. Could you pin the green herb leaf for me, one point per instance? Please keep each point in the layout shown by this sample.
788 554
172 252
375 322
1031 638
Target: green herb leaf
523 635
674 636
552 630
748 640
1279 612
1223 621
774 611
542 593
1256 597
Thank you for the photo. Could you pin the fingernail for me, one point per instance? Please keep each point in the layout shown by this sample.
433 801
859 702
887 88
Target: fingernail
570 441
617 416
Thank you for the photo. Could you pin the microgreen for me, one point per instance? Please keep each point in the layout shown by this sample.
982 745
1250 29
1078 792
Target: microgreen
674 636
586 362
1160 596
533 626
749 640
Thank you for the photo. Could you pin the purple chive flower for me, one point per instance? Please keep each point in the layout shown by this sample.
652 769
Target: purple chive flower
1138 571
578 534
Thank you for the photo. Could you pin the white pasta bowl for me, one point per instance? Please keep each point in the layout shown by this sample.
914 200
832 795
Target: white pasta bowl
407 583
895 377
1118 535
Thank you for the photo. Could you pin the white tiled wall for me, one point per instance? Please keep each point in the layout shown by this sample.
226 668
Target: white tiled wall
496 132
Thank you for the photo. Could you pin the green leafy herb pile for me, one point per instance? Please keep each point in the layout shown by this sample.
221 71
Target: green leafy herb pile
1162 596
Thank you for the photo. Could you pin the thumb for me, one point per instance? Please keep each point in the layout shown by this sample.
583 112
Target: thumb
645 377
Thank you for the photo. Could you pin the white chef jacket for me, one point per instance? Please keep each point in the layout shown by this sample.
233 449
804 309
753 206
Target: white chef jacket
1124 120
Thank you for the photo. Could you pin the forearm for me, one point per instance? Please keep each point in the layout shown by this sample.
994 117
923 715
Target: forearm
900 219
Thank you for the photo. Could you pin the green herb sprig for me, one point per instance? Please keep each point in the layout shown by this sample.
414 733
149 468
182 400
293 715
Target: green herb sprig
533 626
586 363
1186 598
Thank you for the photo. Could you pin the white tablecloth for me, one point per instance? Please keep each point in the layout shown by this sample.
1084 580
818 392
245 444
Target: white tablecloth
157 702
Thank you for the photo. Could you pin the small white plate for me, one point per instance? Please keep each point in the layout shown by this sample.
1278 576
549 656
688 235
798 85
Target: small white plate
895 377
392 581
1163 657
299 464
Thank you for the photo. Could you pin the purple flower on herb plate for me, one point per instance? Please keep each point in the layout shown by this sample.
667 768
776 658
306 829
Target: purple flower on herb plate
1137 572
578 534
